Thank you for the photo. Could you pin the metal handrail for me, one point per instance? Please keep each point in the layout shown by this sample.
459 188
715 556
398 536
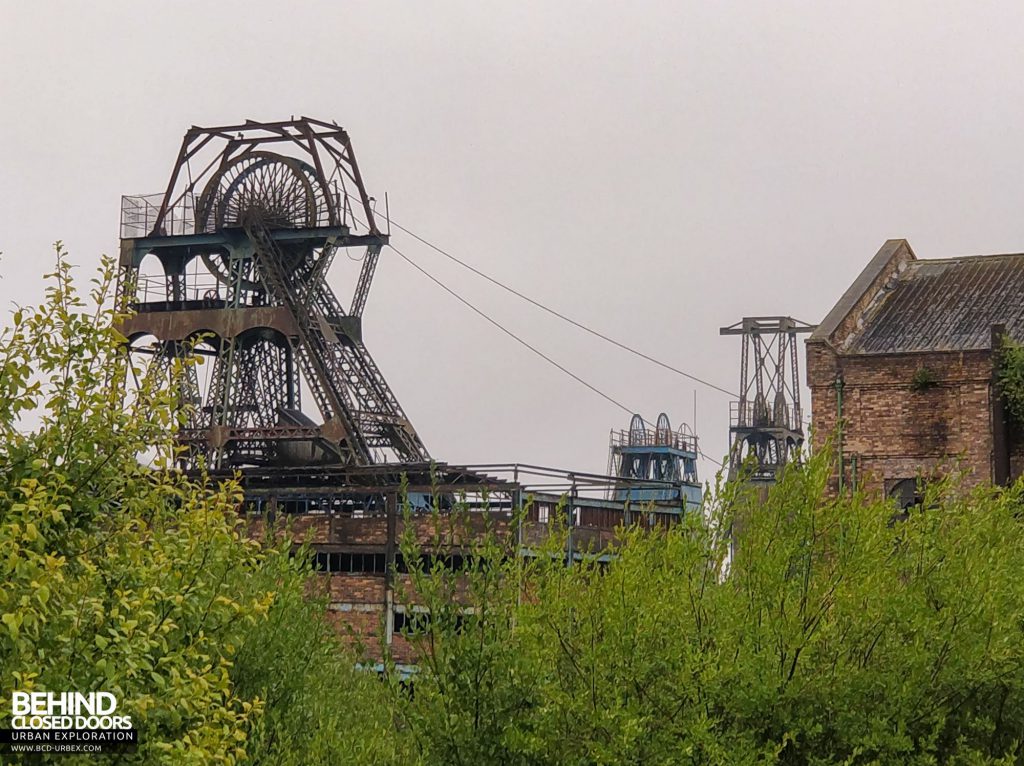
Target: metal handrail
748 414
139 215
155 289
653 438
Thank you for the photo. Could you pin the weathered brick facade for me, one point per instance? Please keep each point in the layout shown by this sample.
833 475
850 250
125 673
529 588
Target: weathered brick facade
895 430
361 571
905 359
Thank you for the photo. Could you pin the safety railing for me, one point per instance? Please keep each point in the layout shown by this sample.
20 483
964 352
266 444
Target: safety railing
139 215
747 414
150 289
650 437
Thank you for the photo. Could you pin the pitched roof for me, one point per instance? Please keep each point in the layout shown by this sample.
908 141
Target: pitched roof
873 277
944 305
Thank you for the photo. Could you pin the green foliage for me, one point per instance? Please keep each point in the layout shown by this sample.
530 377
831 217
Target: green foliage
1010 376
129 578
924 378
837 637
319 708
117 577
473 681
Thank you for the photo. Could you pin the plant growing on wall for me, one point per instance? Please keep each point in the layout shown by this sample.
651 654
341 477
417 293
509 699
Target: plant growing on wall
924 378
1010 376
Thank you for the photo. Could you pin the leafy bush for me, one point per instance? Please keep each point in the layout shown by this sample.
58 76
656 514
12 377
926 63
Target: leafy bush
130 578
837 637
318 707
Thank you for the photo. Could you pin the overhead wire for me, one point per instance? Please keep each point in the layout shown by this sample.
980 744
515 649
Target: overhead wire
560 315
556 313
524 342
508 332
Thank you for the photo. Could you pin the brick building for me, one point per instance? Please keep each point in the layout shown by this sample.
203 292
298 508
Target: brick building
352 519
905 363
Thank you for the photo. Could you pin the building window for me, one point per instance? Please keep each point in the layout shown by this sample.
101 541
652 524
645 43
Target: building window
349 563
906 493
409 623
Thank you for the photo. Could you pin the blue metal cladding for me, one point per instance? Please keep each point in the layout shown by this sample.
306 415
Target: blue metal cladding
656 465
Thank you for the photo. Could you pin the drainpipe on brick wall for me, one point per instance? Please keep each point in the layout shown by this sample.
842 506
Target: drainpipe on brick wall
1000 432
839 427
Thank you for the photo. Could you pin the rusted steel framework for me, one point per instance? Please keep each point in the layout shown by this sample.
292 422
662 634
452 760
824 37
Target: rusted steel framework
245 232
766 424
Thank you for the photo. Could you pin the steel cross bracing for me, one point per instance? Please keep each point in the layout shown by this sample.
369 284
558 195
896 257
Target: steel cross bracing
379 415
766 424
267 227
365 277
348 385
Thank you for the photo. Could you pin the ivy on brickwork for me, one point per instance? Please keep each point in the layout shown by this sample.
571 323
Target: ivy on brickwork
1011 379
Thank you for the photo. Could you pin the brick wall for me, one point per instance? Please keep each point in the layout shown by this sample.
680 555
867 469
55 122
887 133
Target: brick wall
894 429
359 626
361 604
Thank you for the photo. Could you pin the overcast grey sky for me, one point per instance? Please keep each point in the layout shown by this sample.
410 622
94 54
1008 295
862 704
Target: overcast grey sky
655 170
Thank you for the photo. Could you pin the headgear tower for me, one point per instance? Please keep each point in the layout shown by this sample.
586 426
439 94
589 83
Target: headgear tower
245 232
766 424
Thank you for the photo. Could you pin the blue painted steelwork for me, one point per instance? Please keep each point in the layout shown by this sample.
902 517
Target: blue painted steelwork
659 455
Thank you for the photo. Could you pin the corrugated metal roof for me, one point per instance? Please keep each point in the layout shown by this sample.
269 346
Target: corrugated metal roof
945 305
